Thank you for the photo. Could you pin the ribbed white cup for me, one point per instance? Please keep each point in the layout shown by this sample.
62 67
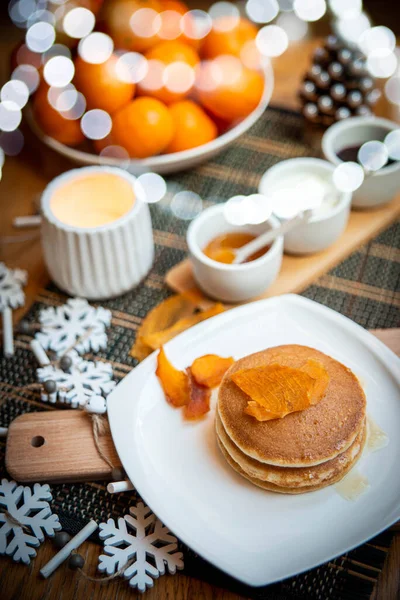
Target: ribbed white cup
99 262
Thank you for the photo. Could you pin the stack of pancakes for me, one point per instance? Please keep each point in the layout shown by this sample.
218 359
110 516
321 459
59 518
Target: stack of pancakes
304 451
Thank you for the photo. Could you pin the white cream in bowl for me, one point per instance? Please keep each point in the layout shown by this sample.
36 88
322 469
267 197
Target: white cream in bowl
298 184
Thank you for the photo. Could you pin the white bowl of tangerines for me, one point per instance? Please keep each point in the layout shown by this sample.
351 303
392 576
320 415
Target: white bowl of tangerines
157 86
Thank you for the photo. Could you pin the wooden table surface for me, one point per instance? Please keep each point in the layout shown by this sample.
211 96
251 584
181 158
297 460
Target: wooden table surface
24 177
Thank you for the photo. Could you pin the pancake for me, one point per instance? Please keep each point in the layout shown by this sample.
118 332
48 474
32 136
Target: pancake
301 439
288 477
288 490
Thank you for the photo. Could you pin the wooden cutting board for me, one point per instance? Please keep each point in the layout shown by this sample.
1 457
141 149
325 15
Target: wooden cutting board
58 446
298 272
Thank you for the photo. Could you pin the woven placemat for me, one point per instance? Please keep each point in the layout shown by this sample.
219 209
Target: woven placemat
365 287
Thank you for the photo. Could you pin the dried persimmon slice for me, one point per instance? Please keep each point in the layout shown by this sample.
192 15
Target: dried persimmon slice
175 383
199 399
157 339
279 389
208 370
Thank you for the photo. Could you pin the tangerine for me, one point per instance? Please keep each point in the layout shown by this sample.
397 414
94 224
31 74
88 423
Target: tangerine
102 84
53 123
228 89
119 16
143 128
228 36
193 127
175 80
173 27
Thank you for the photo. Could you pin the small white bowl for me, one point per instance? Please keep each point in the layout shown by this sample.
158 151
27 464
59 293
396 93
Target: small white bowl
380 187
97 262
231 283
322 230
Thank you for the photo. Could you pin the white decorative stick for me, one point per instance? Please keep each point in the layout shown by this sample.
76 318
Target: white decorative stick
3 432
39 353
115 487
65 552
28 221
8 334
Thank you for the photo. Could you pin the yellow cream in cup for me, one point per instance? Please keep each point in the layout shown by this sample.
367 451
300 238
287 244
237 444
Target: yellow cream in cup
92 200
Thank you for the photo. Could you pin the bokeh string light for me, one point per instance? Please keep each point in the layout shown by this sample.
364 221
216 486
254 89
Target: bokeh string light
153 186
186 205
392 143
96 124
373 155
49 23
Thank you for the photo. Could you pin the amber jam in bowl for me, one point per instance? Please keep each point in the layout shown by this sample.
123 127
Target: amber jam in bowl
224 281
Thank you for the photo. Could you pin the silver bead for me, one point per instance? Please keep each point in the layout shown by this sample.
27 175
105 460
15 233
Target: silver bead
60 539
50 386
65 363
76 561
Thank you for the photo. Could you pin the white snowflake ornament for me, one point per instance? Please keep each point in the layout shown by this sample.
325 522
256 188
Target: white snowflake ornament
140 536
11 283
75 387
32 510
75 324
96 405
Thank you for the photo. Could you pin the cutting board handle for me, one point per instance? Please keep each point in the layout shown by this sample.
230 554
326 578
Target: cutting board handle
57 447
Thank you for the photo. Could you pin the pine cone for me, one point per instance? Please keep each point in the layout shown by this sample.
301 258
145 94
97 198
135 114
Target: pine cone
338 84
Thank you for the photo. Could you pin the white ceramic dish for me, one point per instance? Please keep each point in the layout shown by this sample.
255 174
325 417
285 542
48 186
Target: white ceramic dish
166 163
97 262
322 230
380 187
256 536
231 283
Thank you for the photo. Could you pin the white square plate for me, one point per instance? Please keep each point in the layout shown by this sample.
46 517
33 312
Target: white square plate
257 536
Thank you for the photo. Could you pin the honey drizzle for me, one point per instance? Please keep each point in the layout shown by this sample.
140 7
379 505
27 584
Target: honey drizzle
377 438
354 484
